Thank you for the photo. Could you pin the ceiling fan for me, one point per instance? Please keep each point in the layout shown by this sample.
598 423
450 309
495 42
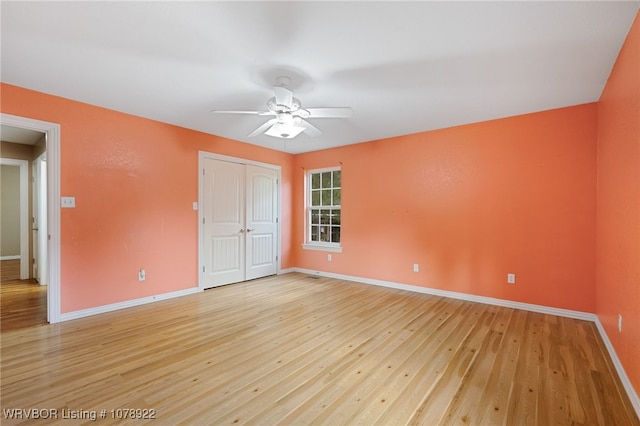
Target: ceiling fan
289 116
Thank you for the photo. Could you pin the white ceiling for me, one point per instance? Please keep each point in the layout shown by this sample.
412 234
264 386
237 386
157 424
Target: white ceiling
404 67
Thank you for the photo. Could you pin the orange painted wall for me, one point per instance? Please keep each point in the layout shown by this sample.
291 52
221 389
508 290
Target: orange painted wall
470 204
618 207
134 181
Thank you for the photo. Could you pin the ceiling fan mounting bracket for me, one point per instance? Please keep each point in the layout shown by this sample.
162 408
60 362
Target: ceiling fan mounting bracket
283 81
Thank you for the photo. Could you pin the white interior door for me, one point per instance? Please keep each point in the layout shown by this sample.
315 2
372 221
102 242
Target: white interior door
43 241
223 222
35 220
239 221
262 222
39 220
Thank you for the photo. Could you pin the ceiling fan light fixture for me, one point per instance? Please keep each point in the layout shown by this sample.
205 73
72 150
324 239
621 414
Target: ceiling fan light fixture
284 131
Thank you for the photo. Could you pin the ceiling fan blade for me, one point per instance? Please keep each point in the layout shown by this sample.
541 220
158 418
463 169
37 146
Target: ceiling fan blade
264 127
310 129
284 131
336 112
283 96
243 112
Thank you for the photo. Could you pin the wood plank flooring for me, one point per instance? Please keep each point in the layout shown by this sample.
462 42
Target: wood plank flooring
9 270
23 303
298 350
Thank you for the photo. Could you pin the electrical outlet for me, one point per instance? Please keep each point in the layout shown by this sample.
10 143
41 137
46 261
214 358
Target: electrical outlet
141 275
416 267
68 202
511 278
329 258
619 323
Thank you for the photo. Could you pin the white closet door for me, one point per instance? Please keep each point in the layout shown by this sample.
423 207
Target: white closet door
240 224
262 222
224 214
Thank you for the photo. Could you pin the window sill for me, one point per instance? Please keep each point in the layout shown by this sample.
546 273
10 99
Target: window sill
319 247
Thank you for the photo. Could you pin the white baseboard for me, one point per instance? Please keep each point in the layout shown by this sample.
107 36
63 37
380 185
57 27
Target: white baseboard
286 271
126 304
633 396
455 295
10 257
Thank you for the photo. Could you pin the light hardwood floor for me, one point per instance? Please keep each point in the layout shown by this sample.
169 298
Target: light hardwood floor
23 304
298 350
9 270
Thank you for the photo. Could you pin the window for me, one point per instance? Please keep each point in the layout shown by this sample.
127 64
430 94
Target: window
323 209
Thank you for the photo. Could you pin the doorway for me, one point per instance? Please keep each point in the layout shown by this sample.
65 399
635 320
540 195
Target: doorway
48 239
24 294
239 226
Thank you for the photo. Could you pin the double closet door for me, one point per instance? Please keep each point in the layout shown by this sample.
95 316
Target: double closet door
240 223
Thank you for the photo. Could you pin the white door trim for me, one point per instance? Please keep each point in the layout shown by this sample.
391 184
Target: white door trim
23 166
202 155
52 131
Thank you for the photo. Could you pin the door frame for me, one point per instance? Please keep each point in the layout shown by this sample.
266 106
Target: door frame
52 132
202 155
23 167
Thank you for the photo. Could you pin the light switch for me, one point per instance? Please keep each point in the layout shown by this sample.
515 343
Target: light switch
68 202
195 205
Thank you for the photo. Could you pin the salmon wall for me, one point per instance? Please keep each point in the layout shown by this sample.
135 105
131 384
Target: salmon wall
618 211
470 204
134 181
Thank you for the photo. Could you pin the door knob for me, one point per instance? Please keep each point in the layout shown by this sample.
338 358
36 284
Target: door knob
241 230
249 229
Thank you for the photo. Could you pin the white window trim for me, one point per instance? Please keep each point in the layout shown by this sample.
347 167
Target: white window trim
316 245
322 247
